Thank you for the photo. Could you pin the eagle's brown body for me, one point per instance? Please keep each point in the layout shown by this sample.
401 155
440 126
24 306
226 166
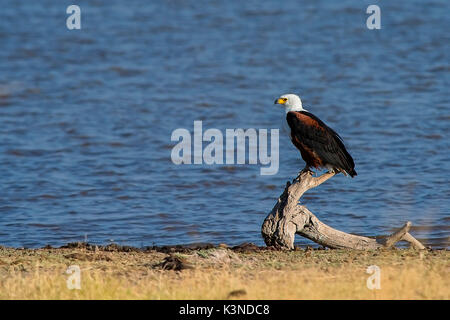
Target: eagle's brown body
319 145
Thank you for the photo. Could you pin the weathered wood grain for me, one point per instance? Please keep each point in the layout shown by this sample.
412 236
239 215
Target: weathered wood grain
288 218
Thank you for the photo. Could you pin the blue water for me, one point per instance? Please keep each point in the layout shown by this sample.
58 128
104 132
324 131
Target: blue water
87 115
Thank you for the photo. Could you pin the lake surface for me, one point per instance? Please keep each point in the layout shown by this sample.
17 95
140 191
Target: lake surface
87 116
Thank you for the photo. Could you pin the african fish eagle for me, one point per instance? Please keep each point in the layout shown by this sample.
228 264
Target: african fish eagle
319 145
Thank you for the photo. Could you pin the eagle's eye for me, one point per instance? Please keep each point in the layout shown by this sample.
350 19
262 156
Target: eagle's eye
284 99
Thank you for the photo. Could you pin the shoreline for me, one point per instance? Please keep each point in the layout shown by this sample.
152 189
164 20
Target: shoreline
177 248
245 246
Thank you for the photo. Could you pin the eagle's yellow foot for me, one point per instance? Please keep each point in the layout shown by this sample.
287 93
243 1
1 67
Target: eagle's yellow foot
305 170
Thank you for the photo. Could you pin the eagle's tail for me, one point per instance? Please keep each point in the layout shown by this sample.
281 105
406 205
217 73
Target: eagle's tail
352 172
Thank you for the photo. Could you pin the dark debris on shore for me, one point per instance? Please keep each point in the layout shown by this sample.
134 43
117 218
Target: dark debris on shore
187 248
246 247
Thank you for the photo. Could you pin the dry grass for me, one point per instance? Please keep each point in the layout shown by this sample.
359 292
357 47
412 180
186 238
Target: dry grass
224 274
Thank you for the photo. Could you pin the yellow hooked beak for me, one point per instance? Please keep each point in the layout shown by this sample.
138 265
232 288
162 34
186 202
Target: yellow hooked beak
280 101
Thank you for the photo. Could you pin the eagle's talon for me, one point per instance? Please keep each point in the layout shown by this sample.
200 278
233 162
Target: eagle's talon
305 170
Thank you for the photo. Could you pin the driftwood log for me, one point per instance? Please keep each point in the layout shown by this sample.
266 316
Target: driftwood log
288 218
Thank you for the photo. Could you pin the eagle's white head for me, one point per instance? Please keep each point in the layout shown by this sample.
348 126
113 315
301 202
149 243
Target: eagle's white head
290 102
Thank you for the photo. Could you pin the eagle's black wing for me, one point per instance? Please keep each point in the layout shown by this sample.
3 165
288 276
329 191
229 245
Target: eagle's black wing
321 139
